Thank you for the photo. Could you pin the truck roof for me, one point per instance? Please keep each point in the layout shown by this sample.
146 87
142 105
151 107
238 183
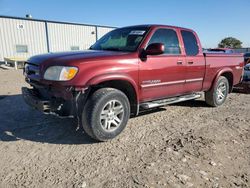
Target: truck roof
158 25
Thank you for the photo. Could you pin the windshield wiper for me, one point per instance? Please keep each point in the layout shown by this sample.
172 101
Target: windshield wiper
112 49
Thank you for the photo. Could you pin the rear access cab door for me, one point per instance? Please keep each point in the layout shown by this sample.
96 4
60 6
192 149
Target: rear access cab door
169 74
195 61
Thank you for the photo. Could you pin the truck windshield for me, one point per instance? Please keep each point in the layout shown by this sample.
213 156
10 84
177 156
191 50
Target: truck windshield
125 39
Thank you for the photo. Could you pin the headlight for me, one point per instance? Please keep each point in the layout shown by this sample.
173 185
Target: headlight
60 73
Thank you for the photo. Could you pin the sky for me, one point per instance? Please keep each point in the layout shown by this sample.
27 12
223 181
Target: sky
213 20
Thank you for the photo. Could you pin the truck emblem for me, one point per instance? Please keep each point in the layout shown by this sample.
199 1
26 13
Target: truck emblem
151 81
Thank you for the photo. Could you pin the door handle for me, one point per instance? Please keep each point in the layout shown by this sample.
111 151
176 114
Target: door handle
179 62
190 62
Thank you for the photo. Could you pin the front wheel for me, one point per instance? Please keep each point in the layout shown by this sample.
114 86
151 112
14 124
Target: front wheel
218 94
106 114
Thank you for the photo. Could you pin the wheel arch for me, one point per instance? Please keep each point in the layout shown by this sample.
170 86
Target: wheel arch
121 82
228 73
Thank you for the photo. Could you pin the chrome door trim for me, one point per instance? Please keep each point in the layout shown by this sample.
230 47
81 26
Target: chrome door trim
163 84
194 80
171 83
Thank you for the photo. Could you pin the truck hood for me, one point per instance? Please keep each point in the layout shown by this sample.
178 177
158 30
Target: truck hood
72 56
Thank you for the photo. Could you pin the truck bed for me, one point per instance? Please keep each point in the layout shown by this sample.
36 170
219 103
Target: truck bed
215 62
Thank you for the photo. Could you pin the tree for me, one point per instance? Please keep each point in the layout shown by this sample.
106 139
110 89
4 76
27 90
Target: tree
230 42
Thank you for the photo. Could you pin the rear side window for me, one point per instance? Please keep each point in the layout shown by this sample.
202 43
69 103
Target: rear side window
169 38
190 43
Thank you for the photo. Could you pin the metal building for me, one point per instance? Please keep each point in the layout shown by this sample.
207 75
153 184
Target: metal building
25 37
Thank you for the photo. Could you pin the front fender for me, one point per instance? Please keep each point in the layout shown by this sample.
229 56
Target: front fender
111 77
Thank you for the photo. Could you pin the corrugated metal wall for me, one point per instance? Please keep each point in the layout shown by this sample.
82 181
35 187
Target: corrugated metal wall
41 36
21 32
62 37
102 31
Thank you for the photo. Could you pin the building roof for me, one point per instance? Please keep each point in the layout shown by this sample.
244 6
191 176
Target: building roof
51 21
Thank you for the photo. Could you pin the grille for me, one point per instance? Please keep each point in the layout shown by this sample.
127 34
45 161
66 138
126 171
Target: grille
31 69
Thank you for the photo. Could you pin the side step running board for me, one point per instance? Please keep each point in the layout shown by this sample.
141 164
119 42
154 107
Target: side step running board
163 102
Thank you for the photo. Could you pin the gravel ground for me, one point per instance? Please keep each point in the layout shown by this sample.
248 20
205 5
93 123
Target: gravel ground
182 145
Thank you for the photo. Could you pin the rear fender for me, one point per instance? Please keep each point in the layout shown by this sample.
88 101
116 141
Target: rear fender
220 72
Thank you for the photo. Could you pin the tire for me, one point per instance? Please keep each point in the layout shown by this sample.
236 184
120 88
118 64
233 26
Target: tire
218 94
105 114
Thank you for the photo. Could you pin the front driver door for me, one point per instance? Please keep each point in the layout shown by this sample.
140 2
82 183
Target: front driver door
162 76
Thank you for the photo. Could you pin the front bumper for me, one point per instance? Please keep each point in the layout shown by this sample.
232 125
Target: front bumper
54 106
32 99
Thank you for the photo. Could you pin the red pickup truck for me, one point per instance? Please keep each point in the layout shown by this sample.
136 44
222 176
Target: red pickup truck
128 70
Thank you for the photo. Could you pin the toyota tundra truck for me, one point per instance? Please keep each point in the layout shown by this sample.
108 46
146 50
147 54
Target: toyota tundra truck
128 70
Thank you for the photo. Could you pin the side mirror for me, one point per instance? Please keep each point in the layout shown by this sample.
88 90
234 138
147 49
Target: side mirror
155 49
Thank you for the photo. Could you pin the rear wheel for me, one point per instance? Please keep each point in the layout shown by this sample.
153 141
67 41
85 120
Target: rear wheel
218 94
106 114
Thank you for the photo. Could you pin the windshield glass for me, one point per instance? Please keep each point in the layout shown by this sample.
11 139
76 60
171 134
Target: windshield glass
124 39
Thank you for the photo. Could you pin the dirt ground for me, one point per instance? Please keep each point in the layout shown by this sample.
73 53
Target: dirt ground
182 145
